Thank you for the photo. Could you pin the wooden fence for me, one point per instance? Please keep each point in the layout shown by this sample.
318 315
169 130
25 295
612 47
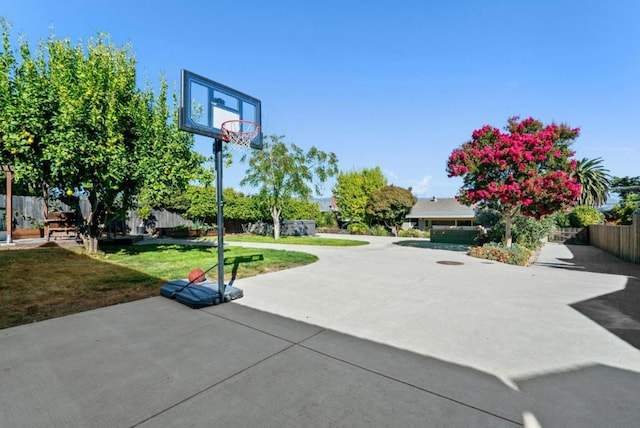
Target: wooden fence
28 210
621 241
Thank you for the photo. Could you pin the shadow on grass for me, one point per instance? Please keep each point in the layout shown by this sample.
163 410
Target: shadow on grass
53 281
421 243
236 261
153 248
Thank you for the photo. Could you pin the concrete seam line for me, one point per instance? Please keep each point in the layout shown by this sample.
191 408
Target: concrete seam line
411 385
212 386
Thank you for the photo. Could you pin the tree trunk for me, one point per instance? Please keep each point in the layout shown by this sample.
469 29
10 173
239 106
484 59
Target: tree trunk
393 228
45 199
275 216
507 231
92 230
90 244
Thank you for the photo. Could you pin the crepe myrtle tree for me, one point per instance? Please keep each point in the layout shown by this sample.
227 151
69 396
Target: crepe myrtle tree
528 169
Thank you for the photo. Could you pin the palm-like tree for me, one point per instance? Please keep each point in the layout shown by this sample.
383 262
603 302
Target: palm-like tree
595 181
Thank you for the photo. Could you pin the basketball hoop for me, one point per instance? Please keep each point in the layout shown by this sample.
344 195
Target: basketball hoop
239 133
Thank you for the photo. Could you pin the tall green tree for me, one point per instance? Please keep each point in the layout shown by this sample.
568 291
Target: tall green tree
282 172
353 190
74 121
389 206
625 186
622 213
628 189
594 180
26 119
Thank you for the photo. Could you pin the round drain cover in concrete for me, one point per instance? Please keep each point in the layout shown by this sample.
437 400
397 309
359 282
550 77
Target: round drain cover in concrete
449 262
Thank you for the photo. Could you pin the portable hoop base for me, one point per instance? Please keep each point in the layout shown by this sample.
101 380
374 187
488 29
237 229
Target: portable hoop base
199 295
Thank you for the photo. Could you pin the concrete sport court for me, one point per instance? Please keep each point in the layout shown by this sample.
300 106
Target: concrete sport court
376 335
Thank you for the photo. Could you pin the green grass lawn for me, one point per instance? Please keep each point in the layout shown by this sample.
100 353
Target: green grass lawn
175 261
37 284
294 240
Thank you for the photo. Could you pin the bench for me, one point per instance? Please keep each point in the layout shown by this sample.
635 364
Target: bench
60 224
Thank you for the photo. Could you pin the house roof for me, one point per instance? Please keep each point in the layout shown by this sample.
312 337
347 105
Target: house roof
439 208
326 204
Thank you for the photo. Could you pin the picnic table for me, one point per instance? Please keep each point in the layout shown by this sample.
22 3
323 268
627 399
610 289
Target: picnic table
60 224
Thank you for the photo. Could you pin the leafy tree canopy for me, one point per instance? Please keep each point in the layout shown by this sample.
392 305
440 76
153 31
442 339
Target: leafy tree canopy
584 215
390 206
625 186
527 169
74 121
282 172
300 209
622 213
628 189
353 190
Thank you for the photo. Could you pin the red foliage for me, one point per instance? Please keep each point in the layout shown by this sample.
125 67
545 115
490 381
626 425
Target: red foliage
529 168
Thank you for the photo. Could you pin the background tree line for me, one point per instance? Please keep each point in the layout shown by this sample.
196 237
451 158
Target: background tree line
74 124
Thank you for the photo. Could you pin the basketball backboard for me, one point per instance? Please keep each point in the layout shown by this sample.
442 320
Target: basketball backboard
205 105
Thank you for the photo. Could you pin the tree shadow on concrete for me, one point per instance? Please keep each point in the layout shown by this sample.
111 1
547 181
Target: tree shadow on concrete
618 312
591 396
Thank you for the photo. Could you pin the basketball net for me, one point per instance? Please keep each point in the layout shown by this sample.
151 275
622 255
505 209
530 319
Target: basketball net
239 133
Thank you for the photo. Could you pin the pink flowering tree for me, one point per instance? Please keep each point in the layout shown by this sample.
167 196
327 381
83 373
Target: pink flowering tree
526 170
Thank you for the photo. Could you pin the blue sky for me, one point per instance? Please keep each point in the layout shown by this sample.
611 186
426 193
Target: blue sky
397 84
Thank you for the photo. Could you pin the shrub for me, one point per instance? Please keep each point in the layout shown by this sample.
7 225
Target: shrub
584 215
561 219
379 230
411 233
526 231
623 212
326 219
358 228
531 232
515 255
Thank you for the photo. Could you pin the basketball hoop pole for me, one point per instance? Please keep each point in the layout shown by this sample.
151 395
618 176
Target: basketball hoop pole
219 202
